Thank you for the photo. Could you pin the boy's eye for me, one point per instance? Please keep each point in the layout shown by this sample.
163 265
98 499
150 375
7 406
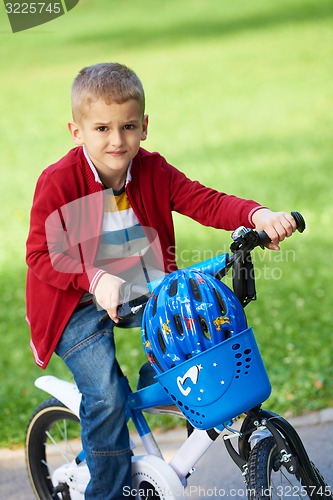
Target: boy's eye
102 128
129 126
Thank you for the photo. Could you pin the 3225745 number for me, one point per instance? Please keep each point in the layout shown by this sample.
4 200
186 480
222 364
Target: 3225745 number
33 8
300 491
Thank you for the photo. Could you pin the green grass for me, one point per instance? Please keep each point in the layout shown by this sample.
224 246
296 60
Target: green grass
239 97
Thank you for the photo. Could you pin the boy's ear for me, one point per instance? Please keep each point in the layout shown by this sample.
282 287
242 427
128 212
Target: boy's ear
144 128
74 130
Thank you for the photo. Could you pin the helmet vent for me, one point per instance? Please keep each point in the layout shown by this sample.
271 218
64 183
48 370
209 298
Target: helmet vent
204 327
227 334
179 324
154 306
173 290
161 341
221 302
153 360
195 290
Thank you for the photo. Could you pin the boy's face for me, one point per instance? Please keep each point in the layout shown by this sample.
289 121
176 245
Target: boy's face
112 134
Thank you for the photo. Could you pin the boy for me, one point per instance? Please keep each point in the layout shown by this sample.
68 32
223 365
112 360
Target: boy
104 191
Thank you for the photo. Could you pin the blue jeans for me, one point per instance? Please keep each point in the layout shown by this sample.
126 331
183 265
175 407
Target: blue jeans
88 349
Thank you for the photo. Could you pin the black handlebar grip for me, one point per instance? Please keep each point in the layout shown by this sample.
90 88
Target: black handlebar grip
264 239
300 222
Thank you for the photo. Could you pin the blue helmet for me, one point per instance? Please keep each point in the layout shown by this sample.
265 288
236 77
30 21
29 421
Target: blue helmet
188 313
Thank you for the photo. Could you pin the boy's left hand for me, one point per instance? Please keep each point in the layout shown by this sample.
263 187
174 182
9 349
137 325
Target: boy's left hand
277 225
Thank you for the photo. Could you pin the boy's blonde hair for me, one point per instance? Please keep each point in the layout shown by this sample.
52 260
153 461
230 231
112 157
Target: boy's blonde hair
111 82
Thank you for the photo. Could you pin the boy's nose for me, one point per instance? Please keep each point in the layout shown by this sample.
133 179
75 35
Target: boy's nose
116 138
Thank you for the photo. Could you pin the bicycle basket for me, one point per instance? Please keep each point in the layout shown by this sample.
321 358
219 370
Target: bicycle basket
219 383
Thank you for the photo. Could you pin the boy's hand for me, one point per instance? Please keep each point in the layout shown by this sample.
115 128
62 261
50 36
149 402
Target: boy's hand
277 225
107 294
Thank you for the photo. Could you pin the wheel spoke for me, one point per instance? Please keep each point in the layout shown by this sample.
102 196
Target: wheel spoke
52 436
67 453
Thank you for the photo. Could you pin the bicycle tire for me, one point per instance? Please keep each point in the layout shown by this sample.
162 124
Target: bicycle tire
267 478
52 433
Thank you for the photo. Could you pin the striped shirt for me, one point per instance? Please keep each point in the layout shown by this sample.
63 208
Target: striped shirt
122 236
123 242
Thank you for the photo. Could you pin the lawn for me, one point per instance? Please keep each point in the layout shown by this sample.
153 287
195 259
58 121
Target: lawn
239 97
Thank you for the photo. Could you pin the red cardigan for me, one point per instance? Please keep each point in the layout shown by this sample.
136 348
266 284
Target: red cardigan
155 190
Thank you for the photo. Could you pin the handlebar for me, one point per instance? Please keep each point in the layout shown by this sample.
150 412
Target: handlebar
244 241
129 305
248 239
300 226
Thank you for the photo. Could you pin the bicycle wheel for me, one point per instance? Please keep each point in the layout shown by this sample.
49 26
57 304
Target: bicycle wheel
52 440
268 478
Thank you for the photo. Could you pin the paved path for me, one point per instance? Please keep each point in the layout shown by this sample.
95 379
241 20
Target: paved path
215 471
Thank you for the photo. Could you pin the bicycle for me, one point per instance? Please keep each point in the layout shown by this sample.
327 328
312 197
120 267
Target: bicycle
270 454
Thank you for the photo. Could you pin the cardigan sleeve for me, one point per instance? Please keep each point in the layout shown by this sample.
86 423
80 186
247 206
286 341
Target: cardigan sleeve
209 206
57 251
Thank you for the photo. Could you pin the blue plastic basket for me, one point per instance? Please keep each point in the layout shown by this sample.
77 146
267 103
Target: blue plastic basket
220 383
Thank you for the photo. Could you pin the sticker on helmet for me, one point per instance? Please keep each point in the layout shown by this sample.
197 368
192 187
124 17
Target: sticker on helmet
165 327
221 320
189 322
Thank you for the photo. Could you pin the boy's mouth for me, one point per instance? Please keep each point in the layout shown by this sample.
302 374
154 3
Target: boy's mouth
116 153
